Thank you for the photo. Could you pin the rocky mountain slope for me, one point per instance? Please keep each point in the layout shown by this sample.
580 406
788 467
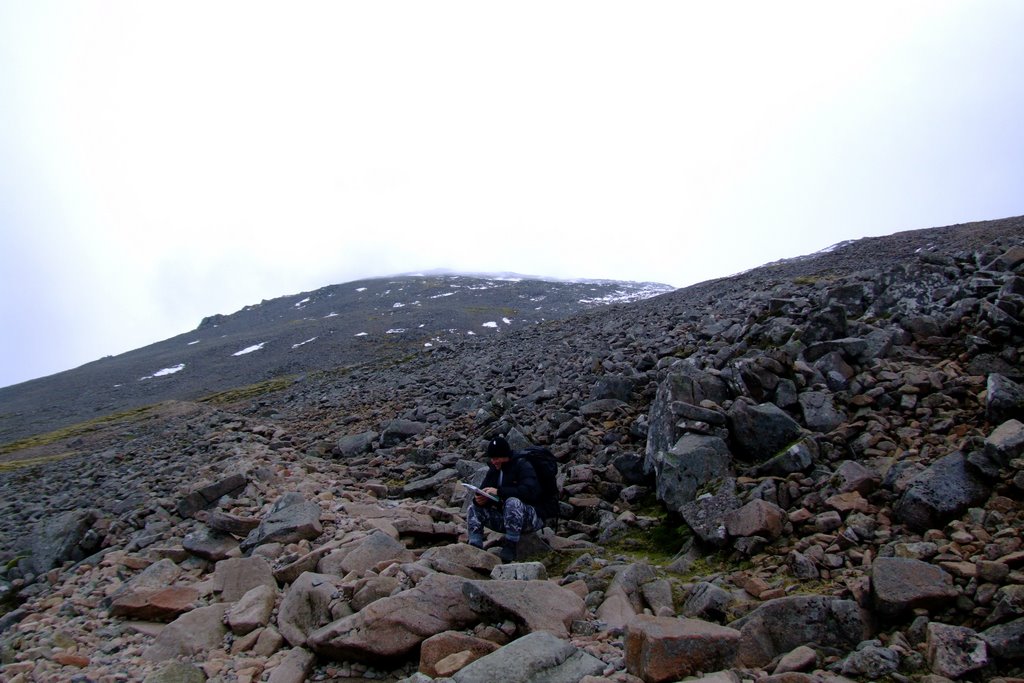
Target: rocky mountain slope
809 472
335 326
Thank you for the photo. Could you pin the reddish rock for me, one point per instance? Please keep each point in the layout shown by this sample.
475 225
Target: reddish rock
756 518
660 649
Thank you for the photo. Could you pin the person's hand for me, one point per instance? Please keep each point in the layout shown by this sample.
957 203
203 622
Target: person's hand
484 500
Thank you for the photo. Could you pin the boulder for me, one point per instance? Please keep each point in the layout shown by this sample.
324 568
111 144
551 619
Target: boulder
294 668
535 605
783 624
692 463
399 430
1004 399
286 524
1006 641
55 539
252 611
306 606
535 657
706 515
940 493
955 651
191 634
395 626
819 411
1006 442
155 604
759 432
708 602
436 648
236 576
208 494
376 548
461 559
352 445
899 584
687 384
660 649
756 518
210 544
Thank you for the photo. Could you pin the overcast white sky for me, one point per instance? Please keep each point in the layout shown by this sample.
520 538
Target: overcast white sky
165 161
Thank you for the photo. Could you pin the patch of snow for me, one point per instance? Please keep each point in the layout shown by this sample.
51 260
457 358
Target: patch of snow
395 330
331 315
397 305
427 344
360 289
506 321
438 296
295 346
621 296
191 343
361 334
490 324
249 349
166 371
304 301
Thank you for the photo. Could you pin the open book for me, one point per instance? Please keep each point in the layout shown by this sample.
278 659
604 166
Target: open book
480 492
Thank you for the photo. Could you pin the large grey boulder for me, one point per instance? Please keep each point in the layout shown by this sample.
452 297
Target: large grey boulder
783 624
1006 641
399 430
352 445
706 514
53 540
1004 399
695 461
820 411
534 658
900 584
940 493
685 384
759 432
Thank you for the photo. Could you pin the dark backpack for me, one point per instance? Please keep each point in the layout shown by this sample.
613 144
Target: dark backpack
546 467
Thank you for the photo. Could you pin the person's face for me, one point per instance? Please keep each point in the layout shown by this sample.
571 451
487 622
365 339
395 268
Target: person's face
498 462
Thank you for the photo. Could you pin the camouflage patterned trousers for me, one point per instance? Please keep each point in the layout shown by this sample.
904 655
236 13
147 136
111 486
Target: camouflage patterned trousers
514 518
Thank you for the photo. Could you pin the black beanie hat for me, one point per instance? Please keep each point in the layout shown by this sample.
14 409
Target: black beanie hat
499 448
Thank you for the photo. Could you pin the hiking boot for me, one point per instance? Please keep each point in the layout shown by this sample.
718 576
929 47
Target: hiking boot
508 551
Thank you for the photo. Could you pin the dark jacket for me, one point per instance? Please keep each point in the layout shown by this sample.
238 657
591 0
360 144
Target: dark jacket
518 480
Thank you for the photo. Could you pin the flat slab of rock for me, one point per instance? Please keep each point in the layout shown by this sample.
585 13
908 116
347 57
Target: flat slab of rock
899 584
660 649
537 605
236 576
289 524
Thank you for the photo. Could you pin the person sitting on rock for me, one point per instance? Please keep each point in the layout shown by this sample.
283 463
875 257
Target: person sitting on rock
514 481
